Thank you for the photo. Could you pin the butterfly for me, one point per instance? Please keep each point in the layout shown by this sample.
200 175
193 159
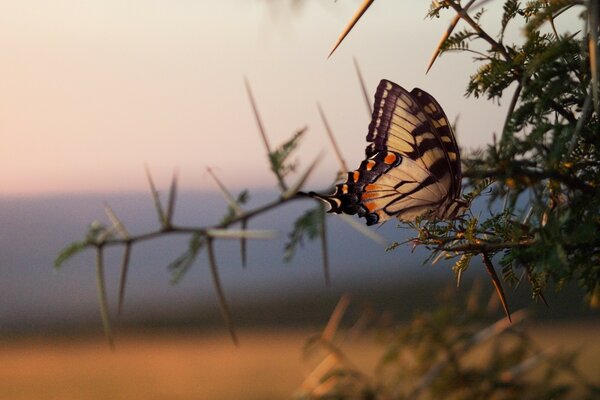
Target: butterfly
412 167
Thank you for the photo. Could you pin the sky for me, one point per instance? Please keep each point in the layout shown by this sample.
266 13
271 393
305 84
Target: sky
92 91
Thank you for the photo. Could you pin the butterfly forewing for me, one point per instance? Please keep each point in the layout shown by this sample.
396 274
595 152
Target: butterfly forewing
400 124
439 120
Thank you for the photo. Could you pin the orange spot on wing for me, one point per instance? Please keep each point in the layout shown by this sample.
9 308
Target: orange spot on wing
372 187
345 189
390 158
370 165
369 195
355 176
371 206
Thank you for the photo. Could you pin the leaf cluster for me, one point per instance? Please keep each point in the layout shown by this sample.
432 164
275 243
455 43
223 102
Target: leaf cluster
545 166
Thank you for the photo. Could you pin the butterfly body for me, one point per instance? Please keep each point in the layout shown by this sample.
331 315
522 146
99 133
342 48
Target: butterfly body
412 166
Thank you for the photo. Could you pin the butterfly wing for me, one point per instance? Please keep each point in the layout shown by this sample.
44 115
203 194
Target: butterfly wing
407 172
440 122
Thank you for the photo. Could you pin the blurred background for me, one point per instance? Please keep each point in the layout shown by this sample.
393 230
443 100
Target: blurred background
93 91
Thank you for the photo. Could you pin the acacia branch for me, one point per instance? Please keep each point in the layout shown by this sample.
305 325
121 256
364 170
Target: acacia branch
486 247
534 176
482 34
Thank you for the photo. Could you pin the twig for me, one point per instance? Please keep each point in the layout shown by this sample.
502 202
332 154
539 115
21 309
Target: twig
593 12
535 176
462 12
486 247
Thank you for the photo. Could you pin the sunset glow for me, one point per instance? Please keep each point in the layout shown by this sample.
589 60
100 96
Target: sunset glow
93 91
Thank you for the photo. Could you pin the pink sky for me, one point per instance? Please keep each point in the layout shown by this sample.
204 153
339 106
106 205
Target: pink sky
91 91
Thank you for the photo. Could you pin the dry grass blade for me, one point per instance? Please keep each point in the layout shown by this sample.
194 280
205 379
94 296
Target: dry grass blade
324 247
313 380
220 294
519 370
155 198
293 191
497 285
362 229
361 10
172 199
363 87
102 299
123 279
594 14
493 330
336 148
335 318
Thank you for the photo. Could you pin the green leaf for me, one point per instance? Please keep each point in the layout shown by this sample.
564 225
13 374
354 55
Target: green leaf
68 252
232 212
307 225
279 157
182 264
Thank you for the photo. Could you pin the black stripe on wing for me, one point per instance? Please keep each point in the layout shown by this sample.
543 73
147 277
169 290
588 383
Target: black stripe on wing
400 124
435 112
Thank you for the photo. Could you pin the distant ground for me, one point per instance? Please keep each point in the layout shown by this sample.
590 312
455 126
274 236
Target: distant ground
194 365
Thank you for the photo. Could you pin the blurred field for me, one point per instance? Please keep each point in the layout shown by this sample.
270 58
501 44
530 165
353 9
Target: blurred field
267 365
